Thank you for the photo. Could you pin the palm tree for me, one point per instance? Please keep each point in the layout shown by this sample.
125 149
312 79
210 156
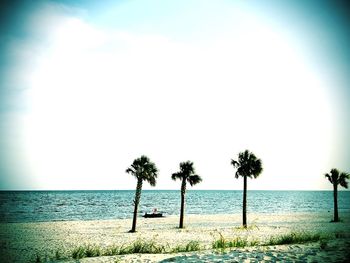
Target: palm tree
248 165
186 174
144 170
337 178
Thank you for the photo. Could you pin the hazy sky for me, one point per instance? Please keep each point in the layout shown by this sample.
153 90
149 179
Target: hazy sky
88 86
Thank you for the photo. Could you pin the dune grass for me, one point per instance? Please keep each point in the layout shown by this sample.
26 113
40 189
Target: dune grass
38 259
48 257
86 251
145 247
189 247
151 247
295 238
238 242
138 246
290 238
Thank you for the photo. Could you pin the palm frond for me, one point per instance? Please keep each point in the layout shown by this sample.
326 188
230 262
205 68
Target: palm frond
329 177
187 167
335 175
234 163
335 172
237 174
194 179
130 170
150 173
256 168
187 173
342 179
176 176
247 165
142 168
151 180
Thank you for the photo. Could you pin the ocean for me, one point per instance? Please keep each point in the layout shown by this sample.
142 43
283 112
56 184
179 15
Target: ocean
41 206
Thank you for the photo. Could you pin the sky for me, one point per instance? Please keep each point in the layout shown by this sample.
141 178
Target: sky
88 86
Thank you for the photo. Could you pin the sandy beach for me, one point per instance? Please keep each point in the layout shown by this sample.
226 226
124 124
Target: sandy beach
21 242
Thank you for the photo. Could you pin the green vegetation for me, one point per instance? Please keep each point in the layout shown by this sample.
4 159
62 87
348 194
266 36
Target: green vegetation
59 255
291 238
144 170
239 242
336 178
151 247
248 165
190 246
38 259
114 250
323 244
138 246
186 174
294 238
141 246
341 235
86 251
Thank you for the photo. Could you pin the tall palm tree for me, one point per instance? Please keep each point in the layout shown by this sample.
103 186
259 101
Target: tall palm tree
248 165
336 179
144 170
186 174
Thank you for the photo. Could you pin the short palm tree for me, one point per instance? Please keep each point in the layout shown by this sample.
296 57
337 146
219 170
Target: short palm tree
144 170
186 174
336 179
248 165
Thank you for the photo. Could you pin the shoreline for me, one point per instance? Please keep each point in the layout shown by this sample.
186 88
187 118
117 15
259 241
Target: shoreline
140 215
21 241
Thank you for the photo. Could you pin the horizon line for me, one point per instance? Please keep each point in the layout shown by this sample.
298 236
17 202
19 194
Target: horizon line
90 190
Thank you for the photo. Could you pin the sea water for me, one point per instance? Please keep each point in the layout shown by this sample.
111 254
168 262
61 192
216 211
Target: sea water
36 206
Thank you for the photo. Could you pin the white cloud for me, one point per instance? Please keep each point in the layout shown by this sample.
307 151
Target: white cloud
99 98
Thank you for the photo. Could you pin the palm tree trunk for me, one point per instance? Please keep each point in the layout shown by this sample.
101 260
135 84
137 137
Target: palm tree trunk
245 201
182 211
335 197
136 204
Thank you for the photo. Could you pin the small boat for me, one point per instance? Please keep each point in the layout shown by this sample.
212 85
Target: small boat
152 215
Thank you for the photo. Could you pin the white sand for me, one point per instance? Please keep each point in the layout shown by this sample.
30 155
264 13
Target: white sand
21 241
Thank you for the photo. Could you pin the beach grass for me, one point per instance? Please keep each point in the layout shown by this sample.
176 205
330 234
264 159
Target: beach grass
290 238
238 242
189 247
138 246
295 238
86 251
323 244
38 259
145 247
48 257
141 246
